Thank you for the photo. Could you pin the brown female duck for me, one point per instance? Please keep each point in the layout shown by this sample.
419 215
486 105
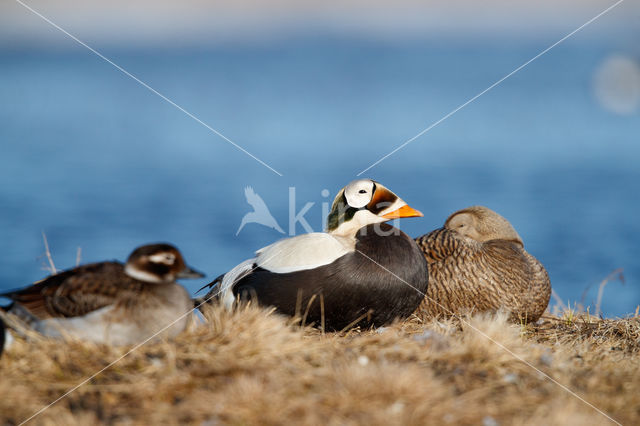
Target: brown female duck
477 263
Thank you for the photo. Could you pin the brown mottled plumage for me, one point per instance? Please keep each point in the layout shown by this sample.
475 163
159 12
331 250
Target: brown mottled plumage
477 262
80 290
110 301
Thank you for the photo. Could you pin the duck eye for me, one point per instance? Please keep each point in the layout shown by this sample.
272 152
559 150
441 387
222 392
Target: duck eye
362 191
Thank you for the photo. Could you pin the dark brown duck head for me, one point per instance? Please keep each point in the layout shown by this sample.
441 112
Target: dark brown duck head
482 224
158 263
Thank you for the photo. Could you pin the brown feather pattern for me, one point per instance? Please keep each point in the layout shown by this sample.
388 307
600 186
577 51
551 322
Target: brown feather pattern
80 291
466 275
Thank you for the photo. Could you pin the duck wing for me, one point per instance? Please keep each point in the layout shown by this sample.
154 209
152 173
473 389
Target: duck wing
299 253
305 251
540 287
78 291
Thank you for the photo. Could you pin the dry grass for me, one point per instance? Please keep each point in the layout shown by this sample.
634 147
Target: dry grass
252 367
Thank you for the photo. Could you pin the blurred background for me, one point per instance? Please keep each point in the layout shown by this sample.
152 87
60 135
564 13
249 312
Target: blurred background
319 91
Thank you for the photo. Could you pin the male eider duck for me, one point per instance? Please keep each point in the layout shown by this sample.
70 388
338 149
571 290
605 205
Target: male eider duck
109 302
477 263
361 272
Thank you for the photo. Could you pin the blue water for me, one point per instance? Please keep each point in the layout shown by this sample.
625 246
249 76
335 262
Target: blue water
96 161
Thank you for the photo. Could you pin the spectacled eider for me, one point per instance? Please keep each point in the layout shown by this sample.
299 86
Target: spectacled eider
361 272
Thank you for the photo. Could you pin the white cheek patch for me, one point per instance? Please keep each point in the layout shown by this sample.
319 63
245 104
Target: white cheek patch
140 275
165 258
359 193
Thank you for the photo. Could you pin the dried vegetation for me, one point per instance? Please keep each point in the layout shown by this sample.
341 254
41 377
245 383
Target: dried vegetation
255 367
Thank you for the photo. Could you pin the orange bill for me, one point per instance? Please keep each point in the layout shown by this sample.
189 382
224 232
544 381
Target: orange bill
404 211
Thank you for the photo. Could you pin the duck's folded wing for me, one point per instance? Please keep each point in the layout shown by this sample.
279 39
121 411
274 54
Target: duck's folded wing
305 251
540 282
76 292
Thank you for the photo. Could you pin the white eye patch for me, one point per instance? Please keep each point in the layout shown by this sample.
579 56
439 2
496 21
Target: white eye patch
359 193
166 258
